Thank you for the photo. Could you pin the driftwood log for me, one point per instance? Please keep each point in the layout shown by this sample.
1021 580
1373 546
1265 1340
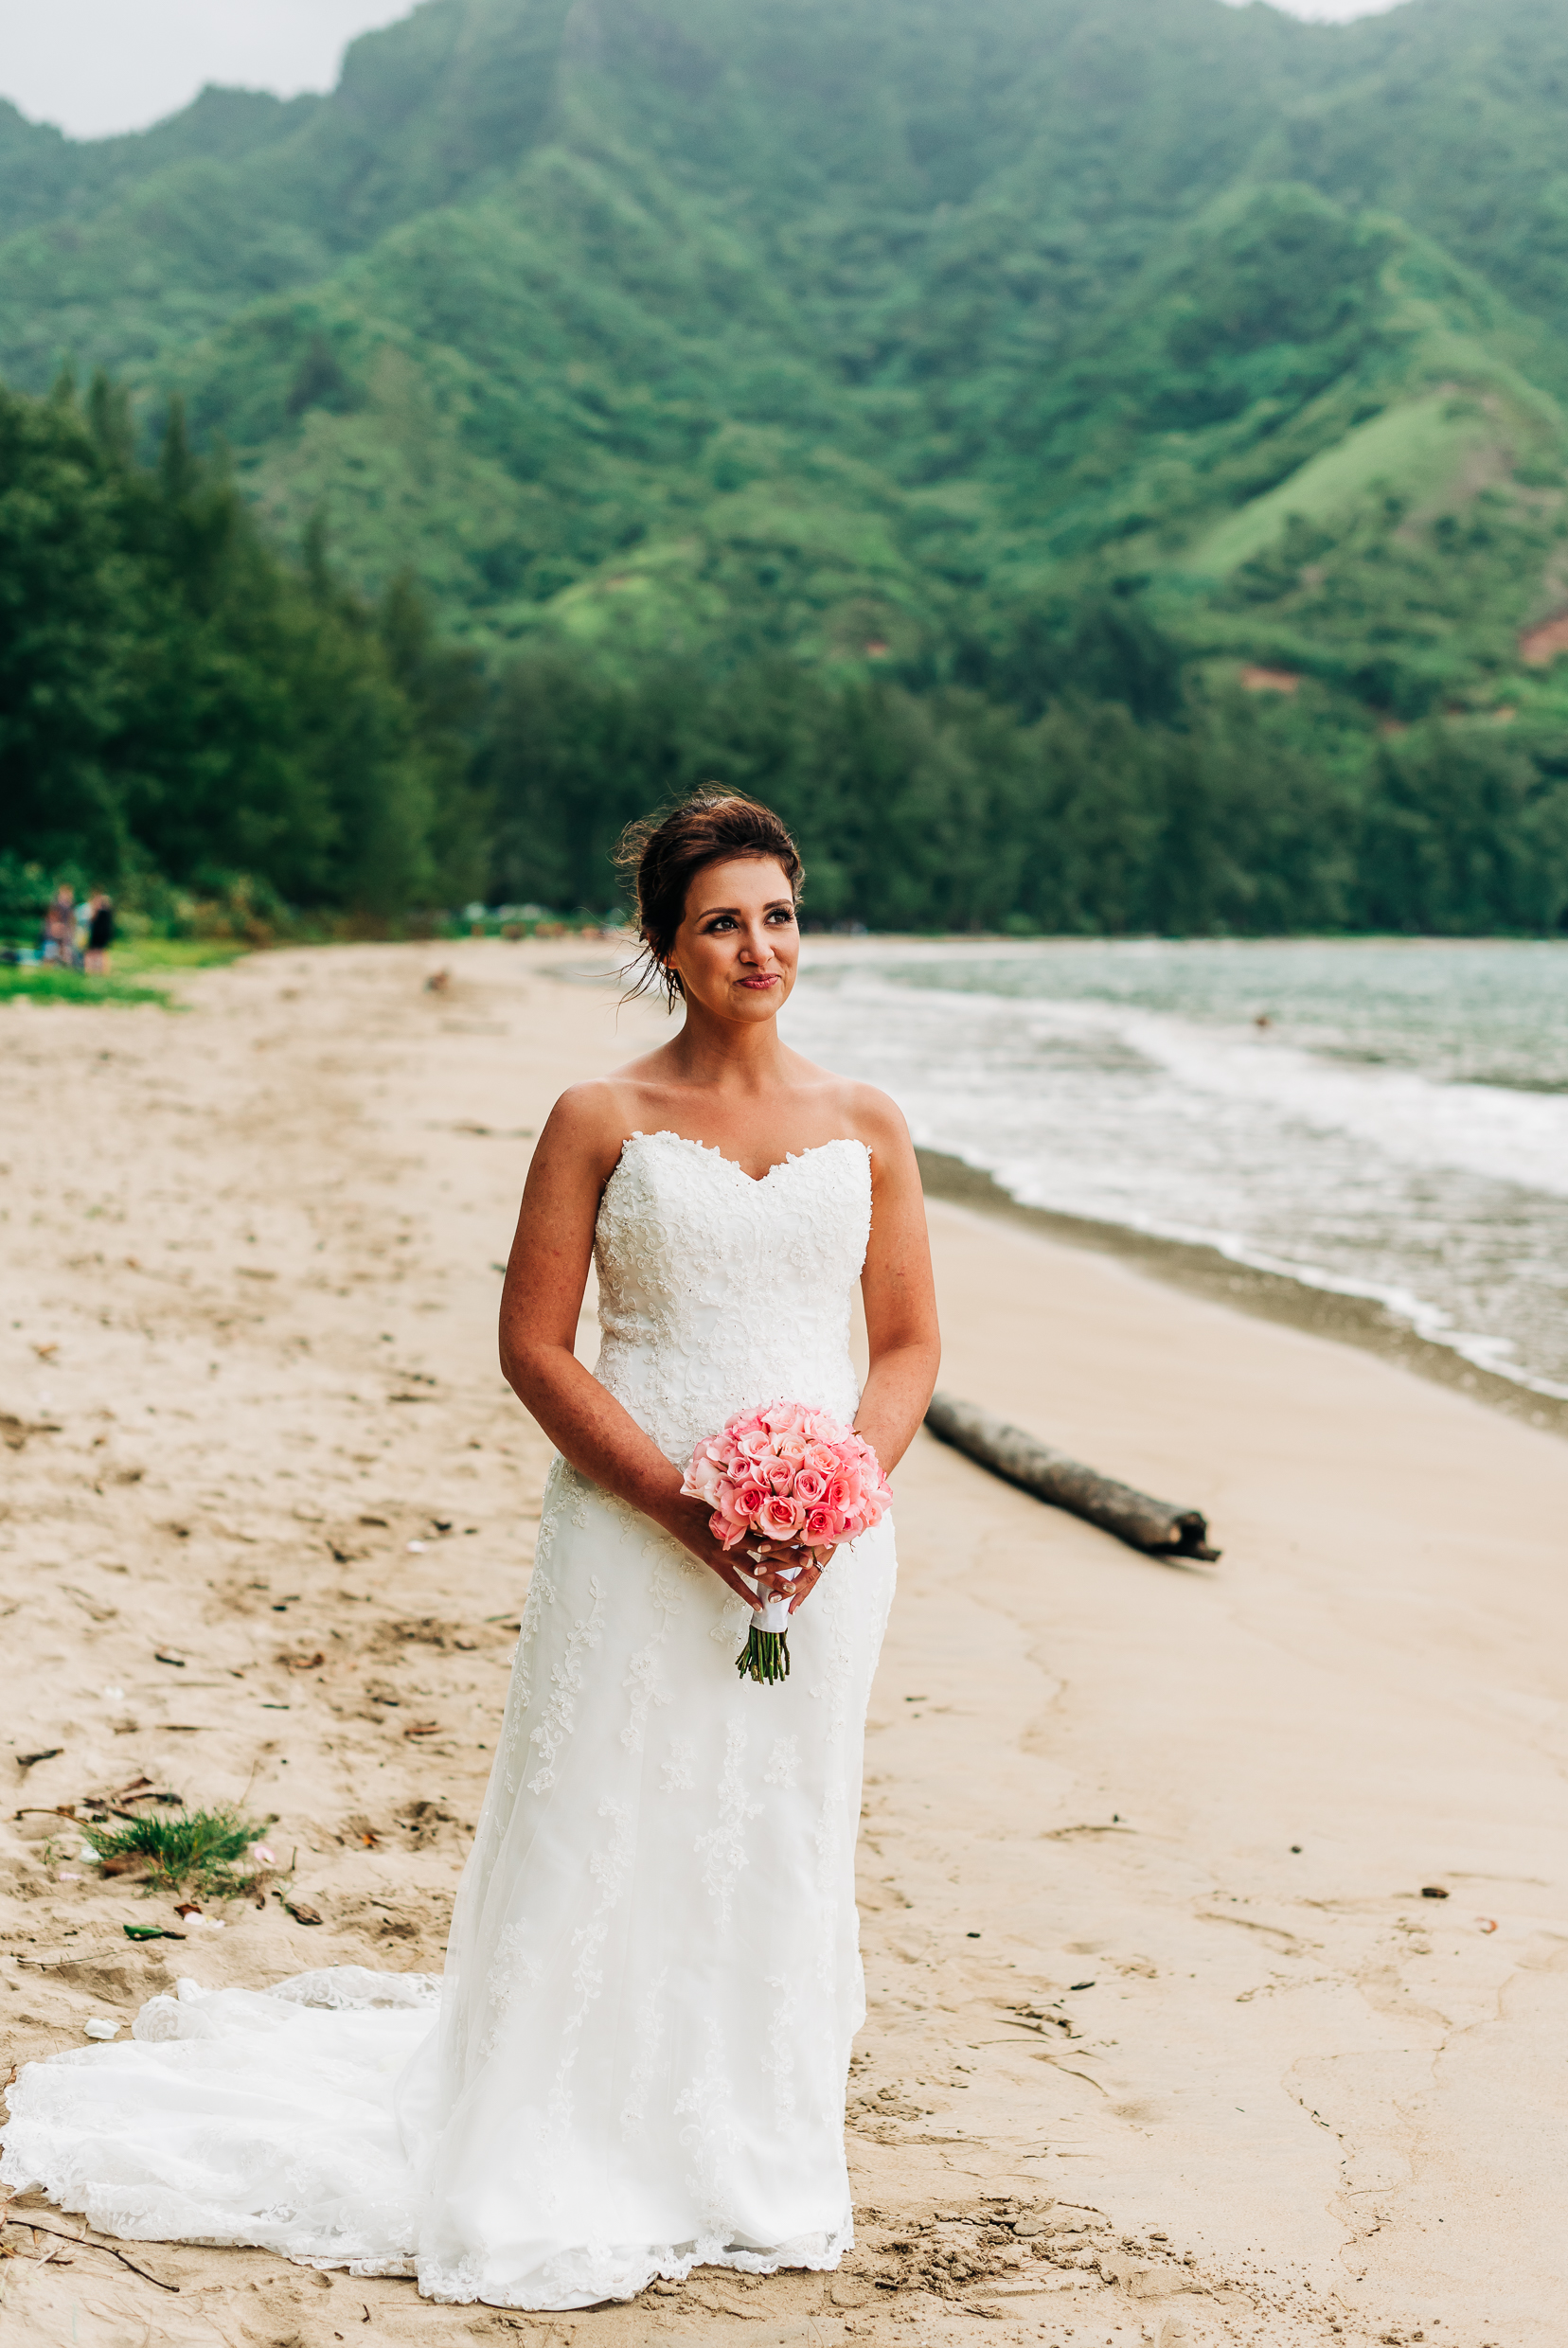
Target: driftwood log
1156 1526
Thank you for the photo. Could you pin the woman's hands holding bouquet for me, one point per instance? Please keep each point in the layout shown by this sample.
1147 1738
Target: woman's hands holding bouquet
788 1484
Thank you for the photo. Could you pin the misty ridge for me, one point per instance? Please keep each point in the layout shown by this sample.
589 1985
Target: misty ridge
1093 465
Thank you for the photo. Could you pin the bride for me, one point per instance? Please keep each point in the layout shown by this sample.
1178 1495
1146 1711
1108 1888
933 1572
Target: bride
638 2059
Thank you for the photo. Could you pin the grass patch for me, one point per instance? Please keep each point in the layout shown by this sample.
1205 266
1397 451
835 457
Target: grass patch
176 954
206 1851
41 982
1413 449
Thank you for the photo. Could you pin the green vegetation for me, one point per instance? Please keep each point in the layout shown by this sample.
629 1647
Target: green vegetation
47 983
201 1851
176 702
1093 463
142 954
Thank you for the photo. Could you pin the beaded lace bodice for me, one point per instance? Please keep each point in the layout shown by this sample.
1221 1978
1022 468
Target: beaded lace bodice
717 1292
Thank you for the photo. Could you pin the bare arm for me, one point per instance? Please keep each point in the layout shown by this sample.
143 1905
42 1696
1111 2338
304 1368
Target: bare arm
898 1291
546 1275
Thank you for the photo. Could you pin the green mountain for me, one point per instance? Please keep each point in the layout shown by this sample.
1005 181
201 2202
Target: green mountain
1010 358
690 325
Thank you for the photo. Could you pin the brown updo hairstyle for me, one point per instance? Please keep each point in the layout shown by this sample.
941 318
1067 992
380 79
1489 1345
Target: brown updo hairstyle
659 858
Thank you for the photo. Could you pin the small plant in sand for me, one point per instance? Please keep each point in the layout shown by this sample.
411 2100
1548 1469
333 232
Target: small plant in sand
220 1853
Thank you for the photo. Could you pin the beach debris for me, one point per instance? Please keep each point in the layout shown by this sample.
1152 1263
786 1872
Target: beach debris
90 1604
301 1911
437 983
150 1931
100 2027
1158 1527
141 1788
166 1655
1488 1924
14 1432
83 2241
188 1913
1433 1891
303 1662
32 1760
422 1728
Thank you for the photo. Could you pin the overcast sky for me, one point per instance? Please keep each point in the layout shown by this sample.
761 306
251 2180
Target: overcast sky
99 65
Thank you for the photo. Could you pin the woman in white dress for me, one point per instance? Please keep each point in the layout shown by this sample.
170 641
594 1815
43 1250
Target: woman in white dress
652 1982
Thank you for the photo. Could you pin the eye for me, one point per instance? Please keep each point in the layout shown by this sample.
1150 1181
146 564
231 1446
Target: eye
721 921
782 914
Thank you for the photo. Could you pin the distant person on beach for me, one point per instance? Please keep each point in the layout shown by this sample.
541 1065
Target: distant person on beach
101 933
60 927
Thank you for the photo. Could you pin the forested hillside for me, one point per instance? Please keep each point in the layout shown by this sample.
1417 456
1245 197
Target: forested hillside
1012 369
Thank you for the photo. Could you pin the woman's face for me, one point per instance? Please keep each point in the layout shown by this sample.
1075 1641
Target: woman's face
738 947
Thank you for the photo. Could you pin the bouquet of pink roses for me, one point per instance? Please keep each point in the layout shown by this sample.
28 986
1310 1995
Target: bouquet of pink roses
790 1478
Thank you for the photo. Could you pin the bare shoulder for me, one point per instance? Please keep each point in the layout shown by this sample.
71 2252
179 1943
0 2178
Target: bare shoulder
588 1124
877 1118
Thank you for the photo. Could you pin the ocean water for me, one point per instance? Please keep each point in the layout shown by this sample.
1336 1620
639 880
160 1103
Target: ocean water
1386 1120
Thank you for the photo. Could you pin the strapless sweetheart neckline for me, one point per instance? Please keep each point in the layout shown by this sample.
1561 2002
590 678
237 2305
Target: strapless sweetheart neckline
711 1149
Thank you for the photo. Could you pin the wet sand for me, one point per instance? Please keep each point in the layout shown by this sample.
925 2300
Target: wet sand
1137 2068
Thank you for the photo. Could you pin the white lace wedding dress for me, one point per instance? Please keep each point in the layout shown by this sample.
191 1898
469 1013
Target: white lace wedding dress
635 2060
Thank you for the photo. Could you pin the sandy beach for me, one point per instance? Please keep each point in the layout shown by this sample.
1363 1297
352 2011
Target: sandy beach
1171 2037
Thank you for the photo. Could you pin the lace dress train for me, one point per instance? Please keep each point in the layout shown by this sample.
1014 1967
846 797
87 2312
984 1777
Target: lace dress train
637 2056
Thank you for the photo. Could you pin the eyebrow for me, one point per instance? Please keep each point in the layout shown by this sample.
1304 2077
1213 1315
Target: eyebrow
708 911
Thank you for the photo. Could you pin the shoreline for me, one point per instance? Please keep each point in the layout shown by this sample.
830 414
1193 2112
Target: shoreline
1206 1272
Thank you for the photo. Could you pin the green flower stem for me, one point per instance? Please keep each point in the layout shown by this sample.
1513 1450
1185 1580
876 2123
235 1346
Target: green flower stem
765 1656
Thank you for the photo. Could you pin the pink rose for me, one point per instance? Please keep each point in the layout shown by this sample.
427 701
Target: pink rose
725 1530
752 1443
823 1458
783 1419
775 1473
780 1518
842 1493
791 1447
811 1487
751 1497
822 1530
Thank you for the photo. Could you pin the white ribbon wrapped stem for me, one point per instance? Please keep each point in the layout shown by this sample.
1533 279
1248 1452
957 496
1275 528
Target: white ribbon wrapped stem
773 1614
